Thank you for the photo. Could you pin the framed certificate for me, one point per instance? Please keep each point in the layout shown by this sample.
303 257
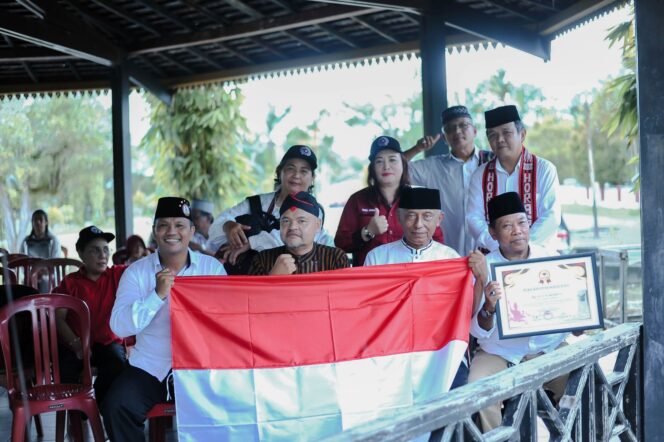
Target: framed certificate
548 295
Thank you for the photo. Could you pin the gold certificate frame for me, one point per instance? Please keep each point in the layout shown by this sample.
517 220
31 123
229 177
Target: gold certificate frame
548 295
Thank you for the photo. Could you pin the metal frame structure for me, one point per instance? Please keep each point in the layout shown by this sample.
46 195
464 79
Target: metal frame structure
597 406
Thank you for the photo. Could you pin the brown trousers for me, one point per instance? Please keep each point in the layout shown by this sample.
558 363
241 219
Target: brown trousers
485 364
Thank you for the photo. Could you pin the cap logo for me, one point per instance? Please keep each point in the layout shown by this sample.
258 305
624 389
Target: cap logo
304 150
95 230
383 141
185 209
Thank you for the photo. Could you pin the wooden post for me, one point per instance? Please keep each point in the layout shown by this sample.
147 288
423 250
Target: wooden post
650 91
434 77
122 188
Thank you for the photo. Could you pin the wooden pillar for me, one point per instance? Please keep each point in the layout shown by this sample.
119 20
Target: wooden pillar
434 77
650 86
122 187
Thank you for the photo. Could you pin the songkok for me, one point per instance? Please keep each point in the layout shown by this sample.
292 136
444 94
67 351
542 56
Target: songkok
303 153
419 198
300 200
505 204
381 143
202 205
454 112
501 115
173 207
89 233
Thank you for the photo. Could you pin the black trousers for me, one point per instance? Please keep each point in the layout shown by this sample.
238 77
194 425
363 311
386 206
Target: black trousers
109 359
132 395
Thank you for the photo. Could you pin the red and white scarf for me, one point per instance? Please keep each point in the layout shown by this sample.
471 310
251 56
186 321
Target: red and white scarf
527 184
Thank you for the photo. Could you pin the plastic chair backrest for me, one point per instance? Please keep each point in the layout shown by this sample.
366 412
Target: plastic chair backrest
54 268
42 310
10 274
23 268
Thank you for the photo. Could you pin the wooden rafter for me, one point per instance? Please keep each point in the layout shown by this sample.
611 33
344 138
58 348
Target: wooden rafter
252 29
414 6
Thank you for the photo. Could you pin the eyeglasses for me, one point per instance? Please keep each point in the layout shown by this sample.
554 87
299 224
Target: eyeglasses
451 128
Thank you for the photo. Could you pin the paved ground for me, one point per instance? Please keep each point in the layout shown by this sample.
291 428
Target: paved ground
48 424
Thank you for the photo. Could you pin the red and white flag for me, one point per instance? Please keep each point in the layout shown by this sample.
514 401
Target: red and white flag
307 356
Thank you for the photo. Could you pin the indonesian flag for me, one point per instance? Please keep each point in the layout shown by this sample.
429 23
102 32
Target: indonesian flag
301 357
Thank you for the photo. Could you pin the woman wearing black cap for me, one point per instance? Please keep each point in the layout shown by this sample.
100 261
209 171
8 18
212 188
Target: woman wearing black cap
295 173
369 218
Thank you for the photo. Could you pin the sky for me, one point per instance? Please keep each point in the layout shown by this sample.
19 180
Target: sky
580 60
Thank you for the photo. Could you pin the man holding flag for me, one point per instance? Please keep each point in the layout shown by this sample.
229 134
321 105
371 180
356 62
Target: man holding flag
306 356
299 224
419 214
142 308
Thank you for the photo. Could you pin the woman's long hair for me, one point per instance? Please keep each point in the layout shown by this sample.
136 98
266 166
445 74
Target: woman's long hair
372 179
35 214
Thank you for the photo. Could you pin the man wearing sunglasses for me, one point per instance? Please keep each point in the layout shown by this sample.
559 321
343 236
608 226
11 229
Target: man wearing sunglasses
450 173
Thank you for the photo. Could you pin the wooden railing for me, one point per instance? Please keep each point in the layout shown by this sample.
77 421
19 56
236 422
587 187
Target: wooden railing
600 402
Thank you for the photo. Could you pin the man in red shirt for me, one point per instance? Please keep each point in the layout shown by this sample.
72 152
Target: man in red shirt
95 284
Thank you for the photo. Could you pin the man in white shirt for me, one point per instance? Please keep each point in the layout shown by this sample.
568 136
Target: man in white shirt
509 226
142 308
201 215
419 215
450 173
513 170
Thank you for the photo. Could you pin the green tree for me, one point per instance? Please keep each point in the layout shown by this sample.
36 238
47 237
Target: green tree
402 121
196 145
54 152
262 149
625 122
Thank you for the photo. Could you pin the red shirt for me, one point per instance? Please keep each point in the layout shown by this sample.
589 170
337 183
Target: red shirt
358 211
99 295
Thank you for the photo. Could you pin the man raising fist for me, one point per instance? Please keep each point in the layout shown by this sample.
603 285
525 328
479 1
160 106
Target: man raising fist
299 223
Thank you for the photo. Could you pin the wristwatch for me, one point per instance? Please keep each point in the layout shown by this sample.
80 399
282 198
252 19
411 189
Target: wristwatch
486 314
366 233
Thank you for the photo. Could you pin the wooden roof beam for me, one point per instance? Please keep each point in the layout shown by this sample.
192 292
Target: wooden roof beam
62 37
505 31
371 25
571 15
251 29
32 54
415 6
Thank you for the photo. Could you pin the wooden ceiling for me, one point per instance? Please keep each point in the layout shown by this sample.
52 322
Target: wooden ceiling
59 45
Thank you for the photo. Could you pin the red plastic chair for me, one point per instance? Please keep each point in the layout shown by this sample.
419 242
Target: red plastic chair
47 393
22 266
160 417
10 273
54 269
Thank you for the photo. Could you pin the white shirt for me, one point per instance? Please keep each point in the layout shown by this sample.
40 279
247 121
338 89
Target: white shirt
138 310
513 350
398 252
199 239
451 176
261 241
548 205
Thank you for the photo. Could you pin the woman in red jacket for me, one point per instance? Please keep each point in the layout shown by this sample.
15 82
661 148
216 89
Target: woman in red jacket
369 218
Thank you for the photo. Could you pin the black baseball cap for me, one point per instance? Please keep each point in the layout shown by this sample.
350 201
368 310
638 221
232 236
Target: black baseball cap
381 143
302 152
89 233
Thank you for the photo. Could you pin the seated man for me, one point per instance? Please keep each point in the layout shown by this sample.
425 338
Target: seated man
419 215
299 223
142 309
201 214
95 284
508 224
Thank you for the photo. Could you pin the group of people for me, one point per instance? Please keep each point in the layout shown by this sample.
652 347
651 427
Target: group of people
490 206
